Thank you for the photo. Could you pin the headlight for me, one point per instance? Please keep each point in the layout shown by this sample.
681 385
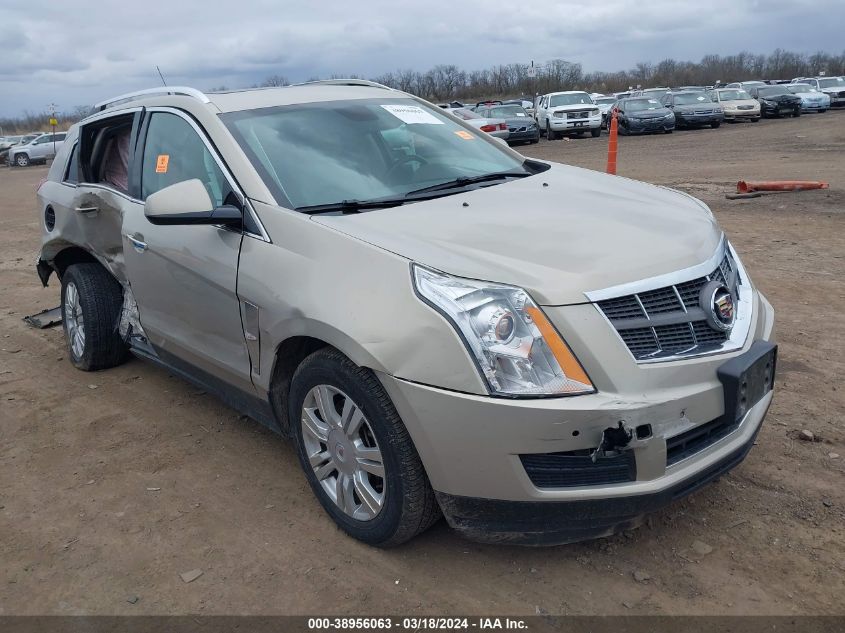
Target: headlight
516 348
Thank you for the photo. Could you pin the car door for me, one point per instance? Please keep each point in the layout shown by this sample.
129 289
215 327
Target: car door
184 277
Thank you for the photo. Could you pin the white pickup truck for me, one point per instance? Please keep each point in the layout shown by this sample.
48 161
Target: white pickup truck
570 112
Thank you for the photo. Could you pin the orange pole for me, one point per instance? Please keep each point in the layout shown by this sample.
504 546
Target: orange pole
780 185
613 130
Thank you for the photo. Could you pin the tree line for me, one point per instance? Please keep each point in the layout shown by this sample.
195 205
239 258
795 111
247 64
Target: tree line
447 82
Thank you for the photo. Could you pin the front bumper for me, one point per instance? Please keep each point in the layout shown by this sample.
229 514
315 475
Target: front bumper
779 109
574 125
814 107
524 136
639 126
698 119
733 115
557 523
473 447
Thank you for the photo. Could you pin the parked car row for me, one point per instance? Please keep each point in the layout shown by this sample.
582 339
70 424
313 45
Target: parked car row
8 142
31 148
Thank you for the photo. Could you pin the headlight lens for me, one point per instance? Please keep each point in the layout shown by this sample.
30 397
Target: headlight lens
516 348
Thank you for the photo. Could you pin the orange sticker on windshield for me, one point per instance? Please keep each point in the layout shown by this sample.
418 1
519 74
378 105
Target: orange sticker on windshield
161 163
465 135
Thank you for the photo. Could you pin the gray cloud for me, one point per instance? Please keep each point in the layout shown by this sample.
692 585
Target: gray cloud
82 51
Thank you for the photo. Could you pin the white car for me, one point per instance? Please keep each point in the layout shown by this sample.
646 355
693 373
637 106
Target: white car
811 99
38 150
833 87
604 102
570 112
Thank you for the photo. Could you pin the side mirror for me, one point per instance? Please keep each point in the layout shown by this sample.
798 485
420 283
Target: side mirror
188 202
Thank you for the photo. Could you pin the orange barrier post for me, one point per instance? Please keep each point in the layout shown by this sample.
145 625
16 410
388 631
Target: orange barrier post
780 185
613 130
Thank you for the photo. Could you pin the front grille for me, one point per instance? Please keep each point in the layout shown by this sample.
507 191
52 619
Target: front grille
697 439
577 468
581 115
745 107
668 321
704 111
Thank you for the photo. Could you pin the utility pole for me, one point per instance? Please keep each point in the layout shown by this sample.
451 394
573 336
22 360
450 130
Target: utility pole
53 123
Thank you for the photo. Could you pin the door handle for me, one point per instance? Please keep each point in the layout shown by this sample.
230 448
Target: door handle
87 209
139 245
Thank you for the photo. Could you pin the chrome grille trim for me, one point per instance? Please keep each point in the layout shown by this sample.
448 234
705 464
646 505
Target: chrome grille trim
659 319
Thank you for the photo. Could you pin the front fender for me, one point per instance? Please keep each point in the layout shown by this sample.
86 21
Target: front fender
317 282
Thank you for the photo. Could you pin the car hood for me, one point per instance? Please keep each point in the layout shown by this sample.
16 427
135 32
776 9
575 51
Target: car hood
648 114
692 107
811 95
733 103
558 234
519 121
575 107
781 98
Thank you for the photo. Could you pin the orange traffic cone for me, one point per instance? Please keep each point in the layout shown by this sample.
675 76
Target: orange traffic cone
613 129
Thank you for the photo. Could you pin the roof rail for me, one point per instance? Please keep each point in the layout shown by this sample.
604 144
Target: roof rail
149 92
345 82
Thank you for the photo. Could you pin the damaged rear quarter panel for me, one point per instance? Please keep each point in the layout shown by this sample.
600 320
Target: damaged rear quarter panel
97 232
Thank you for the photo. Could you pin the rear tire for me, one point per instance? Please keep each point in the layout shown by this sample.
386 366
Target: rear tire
92 301
402 494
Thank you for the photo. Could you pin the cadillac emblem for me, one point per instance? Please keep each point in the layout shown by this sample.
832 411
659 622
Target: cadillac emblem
718 305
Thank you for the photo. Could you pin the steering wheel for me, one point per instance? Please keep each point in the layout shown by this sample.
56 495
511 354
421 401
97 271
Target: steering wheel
404 160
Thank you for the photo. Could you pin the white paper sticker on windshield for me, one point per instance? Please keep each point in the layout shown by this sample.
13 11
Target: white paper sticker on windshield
412 114
652 100
520 114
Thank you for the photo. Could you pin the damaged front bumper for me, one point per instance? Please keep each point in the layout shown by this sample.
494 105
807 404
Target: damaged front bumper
559 470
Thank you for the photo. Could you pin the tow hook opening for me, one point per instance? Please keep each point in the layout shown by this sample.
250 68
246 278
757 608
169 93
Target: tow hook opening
613 440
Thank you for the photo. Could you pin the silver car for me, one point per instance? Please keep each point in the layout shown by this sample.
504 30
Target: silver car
38 150
540 353
495 127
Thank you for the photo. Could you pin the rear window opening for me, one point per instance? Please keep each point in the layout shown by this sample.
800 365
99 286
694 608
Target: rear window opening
104 150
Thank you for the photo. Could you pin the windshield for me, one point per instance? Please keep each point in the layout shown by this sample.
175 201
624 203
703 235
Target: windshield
733 95
795 88
508 111
328 152
690 98
772 91
832 82
576 98
639 105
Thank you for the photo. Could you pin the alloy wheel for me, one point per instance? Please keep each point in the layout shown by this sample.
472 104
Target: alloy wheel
74 320
343 452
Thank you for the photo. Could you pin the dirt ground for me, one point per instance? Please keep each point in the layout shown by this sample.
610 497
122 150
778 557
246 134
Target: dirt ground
114 483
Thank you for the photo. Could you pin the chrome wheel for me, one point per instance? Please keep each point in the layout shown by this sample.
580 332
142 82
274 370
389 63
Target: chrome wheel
343 452
74 321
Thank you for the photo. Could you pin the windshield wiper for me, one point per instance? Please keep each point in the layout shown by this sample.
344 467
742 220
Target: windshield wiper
463 181
353 206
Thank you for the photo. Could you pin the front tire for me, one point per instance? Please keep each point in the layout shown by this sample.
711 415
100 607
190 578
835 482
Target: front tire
356 453
595 132
715 125
550 134
92 301
22 160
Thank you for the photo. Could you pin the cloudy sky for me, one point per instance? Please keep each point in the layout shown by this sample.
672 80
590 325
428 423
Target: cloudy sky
77 52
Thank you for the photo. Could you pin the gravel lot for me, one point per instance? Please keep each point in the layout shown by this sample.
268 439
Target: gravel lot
113 484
